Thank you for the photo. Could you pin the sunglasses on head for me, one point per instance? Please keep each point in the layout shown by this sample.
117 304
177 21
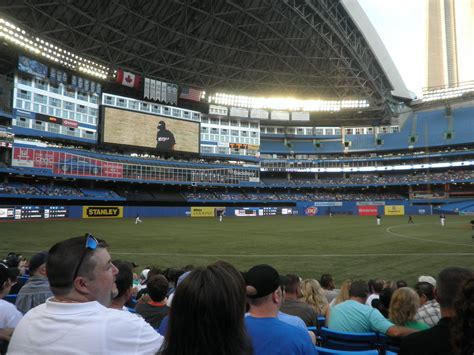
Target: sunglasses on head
91 244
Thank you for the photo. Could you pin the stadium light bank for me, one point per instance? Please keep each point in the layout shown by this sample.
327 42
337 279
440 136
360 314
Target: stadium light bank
285 103
15 35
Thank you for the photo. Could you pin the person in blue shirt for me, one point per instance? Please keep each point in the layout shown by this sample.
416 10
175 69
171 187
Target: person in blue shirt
269 334
354 316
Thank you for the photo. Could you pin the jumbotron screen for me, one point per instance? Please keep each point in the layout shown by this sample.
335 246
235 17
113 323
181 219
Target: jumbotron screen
149 131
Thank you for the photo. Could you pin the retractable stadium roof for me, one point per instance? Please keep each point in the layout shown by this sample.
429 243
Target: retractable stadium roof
299 48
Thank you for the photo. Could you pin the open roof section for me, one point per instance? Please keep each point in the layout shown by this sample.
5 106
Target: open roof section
305 49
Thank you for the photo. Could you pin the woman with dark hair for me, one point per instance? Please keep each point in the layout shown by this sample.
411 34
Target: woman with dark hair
462 325
207 314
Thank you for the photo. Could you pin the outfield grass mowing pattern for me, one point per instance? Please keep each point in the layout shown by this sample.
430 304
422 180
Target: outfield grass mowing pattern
346 246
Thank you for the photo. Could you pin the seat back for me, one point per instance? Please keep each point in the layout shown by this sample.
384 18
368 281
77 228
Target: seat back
392 345
332 339
325 351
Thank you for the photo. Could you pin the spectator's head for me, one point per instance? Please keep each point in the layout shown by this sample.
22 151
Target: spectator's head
123 280
263 288
80 269
386 296
359 289
430 279
172 275
157 286
5 282
12 260
144 275
376 286
403 306
462 325
449 283
292 285
313 294
426 292
38 264
401 283
207 316
327 282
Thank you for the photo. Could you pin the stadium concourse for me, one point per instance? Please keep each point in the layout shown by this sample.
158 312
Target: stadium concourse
206 140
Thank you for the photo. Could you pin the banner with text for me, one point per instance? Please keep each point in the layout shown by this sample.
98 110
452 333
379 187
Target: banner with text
394 210
367 210
102 212
203 211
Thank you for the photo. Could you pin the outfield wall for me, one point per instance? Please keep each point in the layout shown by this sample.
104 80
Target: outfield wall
319 208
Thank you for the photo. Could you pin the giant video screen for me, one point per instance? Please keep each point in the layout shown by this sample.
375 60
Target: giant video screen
149 131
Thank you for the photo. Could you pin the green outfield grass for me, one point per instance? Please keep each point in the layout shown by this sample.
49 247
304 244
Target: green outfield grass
346 246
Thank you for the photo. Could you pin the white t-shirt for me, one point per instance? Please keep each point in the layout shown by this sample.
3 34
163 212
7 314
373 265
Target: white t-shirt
82 328
9 315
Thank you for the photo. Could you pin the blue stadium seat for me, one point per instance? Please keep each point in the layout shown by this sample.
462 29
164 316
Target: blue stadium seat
321 322
325 351
10 298
332 339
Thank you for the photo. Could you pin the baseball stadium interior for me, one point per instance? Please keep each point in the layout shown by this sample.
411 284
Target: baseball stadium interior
144 110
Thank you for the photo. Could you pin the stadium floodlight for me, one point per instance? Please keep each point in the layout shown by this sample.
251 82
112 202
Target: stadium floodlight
14 34
286 103
443 93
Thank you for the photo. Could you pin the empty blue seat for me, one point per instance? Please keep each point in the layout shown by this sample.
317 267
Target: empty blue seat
332 339
325 351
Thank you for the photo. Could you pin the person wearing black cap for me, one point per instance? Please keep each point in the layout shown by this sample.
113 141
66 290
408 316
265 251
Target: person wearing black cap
9 315
164 138
36 291
270 335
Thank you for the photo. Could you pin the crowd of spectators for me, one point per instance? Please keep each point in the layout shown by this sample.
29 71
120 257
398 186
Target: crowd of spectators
203 310
364 156
368 179
289 196
38 190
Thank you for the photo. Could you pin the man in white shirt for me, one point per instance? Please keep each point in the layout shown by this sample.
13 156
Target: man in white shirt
76 320
9 315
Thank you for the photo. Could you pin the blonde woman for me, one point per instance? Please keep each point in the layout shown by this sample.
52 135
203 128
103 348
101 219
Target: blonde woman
403 306
343 293
313 294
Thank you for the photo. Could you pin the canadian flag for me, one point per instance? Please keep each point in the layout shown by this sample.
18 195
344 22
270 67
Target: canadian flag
128 79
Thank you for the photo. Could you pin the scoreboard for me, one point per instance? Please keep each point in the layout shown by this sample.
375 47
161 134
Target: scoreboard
275 211
33 212
264 211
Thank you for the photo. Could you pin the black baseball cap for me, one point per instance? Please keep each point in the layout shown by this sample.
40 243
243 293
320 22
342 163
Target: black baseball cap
261 280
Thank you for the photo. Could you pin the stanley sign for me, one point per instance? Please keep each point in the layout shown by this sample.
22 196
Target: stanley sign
102 212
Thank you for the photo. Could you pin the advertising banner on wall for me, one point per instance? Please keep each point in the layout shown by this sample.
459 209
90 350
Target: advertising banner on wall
311 211
367 210
102 212
328 204
203 211
394 210
370 203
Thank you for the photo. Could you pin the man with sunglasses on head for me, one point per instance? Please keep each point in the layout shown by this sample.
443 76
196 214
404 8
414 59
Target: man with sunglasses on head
76 319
